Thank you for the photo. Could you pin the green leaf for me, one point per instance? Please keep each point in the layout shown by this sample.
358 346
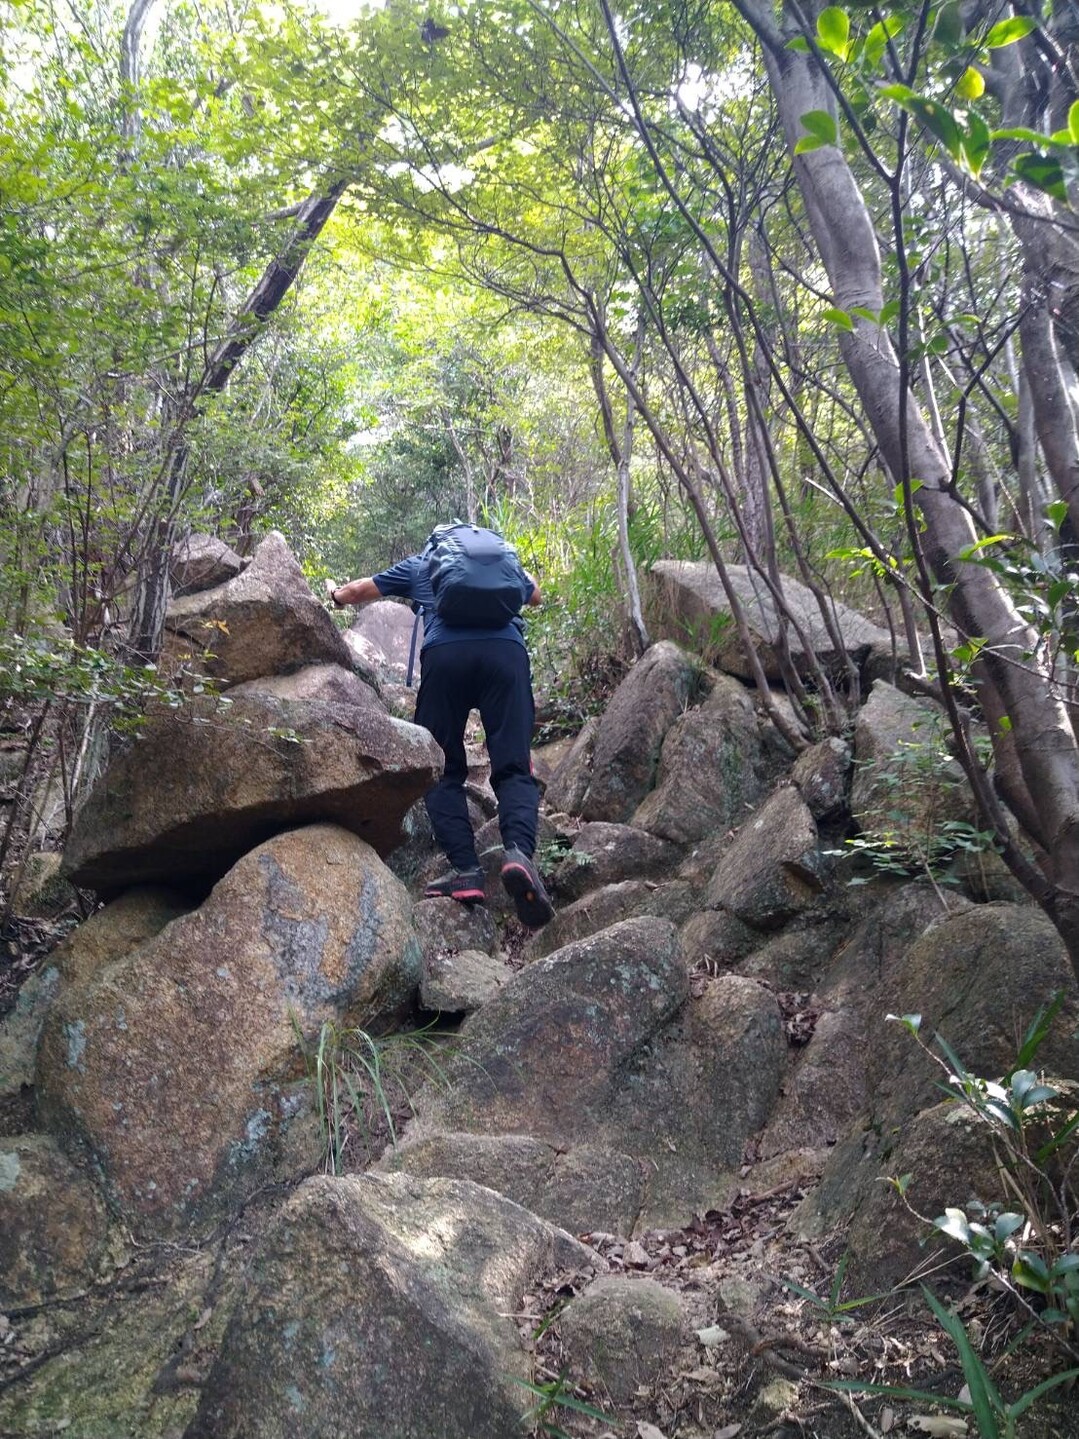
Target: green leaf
1007 32
839 318
896 1391
953 1222
970 85
939 121
1019 132
1058 1140
976 144
821 128
1073 122
800 45
821 124
984 1397
1024 1401
911 1022
1030 1271
1043 172
898 492
971 550
833 31
1058 510
877 40
949 27
1005 1225
1059 591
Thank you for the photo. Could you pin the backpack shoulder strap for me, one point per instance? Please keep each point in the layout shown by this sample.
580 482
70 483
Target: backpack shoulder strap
412 648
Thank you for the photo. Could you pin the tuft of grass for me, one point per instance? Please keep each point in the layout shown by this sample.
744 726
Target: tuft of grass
550 1397
364 1086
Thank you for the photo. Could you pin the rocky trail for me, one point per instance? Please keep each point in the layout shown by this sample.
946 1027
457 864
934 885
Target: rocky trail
596 1181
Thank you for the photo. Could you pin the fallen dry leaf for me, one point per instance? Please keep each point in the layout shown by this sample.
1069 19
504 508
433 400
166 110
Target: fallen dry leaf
712 1336
701 1376
649 1431
728 1432
939 1425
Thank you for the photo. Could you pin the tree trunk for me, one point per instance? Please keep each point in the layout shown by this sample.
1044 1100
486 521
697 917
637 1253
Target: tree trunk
621 453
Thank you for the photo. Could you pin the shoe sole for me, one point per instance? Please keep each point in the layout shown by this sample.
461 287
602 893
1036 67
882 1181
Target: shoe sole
462 896
533 908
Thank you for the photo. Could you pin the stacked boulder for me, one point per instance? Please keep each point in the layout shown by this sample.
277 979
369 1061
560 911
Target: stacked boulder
240 841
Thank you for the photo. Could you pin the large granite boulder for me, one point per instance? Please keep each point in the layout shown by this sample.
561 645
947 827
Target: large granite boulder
686 602
328 682
461 981
639 1068
978 976
689 1105
106 936
821 775
712 769
827 1089
53 1226
39 890
773 870
264 621
20 1030
580 1187
631 731
384 1305
382 633
601 908
204 784
202 562
603 854
172 1068
444 927
905 785
948 1154
603 998
568 784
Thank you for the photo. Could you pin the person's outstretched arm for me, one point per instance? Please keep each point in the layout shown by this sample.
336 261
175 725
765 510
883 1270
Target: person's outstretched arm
355 592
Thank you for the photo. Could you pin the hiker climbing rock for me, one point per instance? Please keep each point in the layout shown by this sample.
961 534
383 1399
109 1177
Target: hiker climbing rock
469 587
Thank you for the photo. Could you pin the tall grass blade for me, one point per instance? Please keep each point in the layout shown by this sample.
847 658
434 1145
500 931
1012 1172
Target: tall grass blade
984 1397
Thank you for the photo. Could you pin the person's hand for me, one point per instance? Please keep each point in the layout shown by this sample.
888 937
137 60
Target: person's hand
331 592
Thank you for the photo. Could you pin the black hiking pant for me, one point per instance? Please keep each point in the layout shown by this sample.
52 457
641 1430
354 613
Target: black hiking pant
494 677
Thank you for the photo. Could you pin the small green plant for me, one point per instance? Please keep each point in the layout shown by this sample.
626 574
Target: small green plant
1032 1248
37 669
364 1084
1028 1249
832 1307
994 1417
912 824
554 852
554 1395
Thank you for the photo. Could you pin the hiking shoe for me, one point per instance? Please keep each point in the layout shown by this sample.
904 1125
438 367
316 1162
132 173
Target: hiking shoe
466 886
521 880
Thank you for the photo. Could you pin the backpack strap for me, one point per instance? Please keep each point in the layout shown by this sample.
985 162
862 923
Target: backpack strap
412 649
